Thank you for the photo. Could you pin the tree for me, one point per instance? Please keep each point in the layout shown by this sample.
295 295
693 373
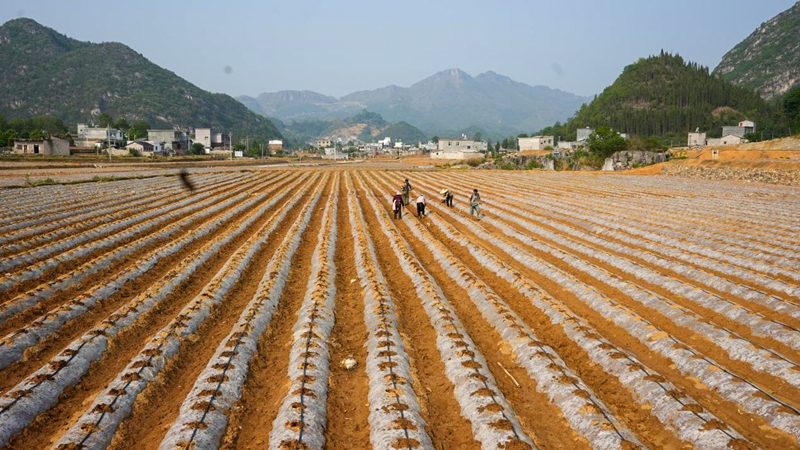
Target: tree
791 106
198 149
435 139
477 137
138 129
104 120
121 124
604 142
37 134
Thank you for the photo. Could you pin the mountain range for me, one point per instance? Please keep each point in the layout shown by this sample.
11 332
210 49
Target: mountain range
365 126
767 61
44 72
444 104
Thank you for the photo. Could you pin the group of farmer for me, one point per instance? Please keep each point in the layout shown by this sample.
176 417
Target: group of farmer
402 199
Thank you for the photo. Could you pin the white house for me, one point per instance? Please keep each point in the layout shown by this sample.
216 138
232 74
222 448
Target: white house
535 143
726 140
211 139
323 143
90 136
584 133
385 142
696 139
465 145
146 148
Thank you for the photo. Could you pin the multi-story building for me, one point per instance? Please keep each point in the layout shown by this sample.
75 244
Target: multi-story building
212 139
172 140
91 136
467 145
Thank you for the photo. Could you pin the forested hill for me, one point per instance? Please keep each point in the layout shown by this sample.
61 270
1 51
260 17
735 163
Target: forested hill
665 96
44 72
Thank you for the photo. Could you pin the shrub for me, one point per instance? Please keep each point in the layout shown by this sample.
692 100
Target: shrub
475 162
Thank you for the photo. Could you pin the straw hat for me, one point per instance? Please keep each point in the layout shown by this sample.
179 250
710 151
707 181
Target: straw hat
443 191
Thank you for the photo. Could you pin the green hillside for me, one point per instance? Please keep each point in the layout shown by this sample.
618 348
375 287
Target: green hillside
665 96
47 73
768 61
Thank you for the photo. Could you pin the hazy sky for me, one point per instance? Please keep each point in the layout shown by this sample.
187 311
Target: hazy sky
337 47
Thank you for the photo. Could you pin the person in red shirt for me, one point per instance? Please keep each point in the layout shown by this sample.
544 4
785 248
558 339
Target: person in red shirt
397 205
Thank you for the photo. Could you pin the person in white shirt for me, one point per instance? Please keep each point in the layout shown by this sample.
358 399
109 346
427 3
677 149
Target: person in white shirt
421 205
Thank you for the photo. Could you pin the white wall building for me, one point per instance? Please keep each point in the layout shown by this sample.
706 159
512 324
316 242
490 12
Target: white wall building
455 154
535 143
90 136
584 133
696 139
465 145
726 140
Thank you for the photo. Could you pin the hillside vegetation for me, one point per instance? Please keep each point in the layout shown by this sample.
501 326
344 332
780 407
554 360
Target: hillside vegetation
47 73
665 96
768 61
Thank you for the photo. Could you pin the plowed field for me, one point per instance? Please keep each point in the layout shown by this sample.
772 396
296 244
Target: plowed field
288 309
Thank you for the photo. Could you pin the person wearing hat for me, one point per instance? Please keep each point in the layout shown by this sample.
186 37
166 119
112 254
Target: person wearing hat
397 205
448 197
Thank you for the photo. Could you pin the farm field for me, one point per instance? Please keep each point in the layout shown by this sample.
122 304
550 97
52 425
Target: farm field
286 308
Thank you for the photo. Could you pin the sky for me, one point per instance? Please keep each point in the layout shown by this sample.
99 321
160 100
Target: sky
246 47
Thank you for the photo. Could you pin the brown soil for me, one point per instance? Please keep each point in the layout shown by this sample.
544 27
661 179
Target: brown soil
445 426
158 405
348 409
46 427
267 381
348 406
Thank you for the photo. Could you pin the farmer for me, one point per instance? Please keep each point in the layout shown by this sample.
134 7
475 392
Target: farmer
406 188
397 205
475 204
448 197
421 205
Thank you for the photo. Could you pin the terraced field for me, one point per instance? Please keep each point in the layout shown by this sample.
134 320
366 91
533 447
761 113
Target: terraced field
288 309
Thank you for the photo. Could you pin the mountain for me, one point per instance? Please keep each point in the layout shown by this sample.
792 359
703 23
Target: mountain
366 126
768 61
442 104
665 96
47 73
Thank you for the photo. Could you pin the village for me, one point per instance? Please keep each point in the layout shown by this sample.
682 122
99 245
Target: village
91 140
